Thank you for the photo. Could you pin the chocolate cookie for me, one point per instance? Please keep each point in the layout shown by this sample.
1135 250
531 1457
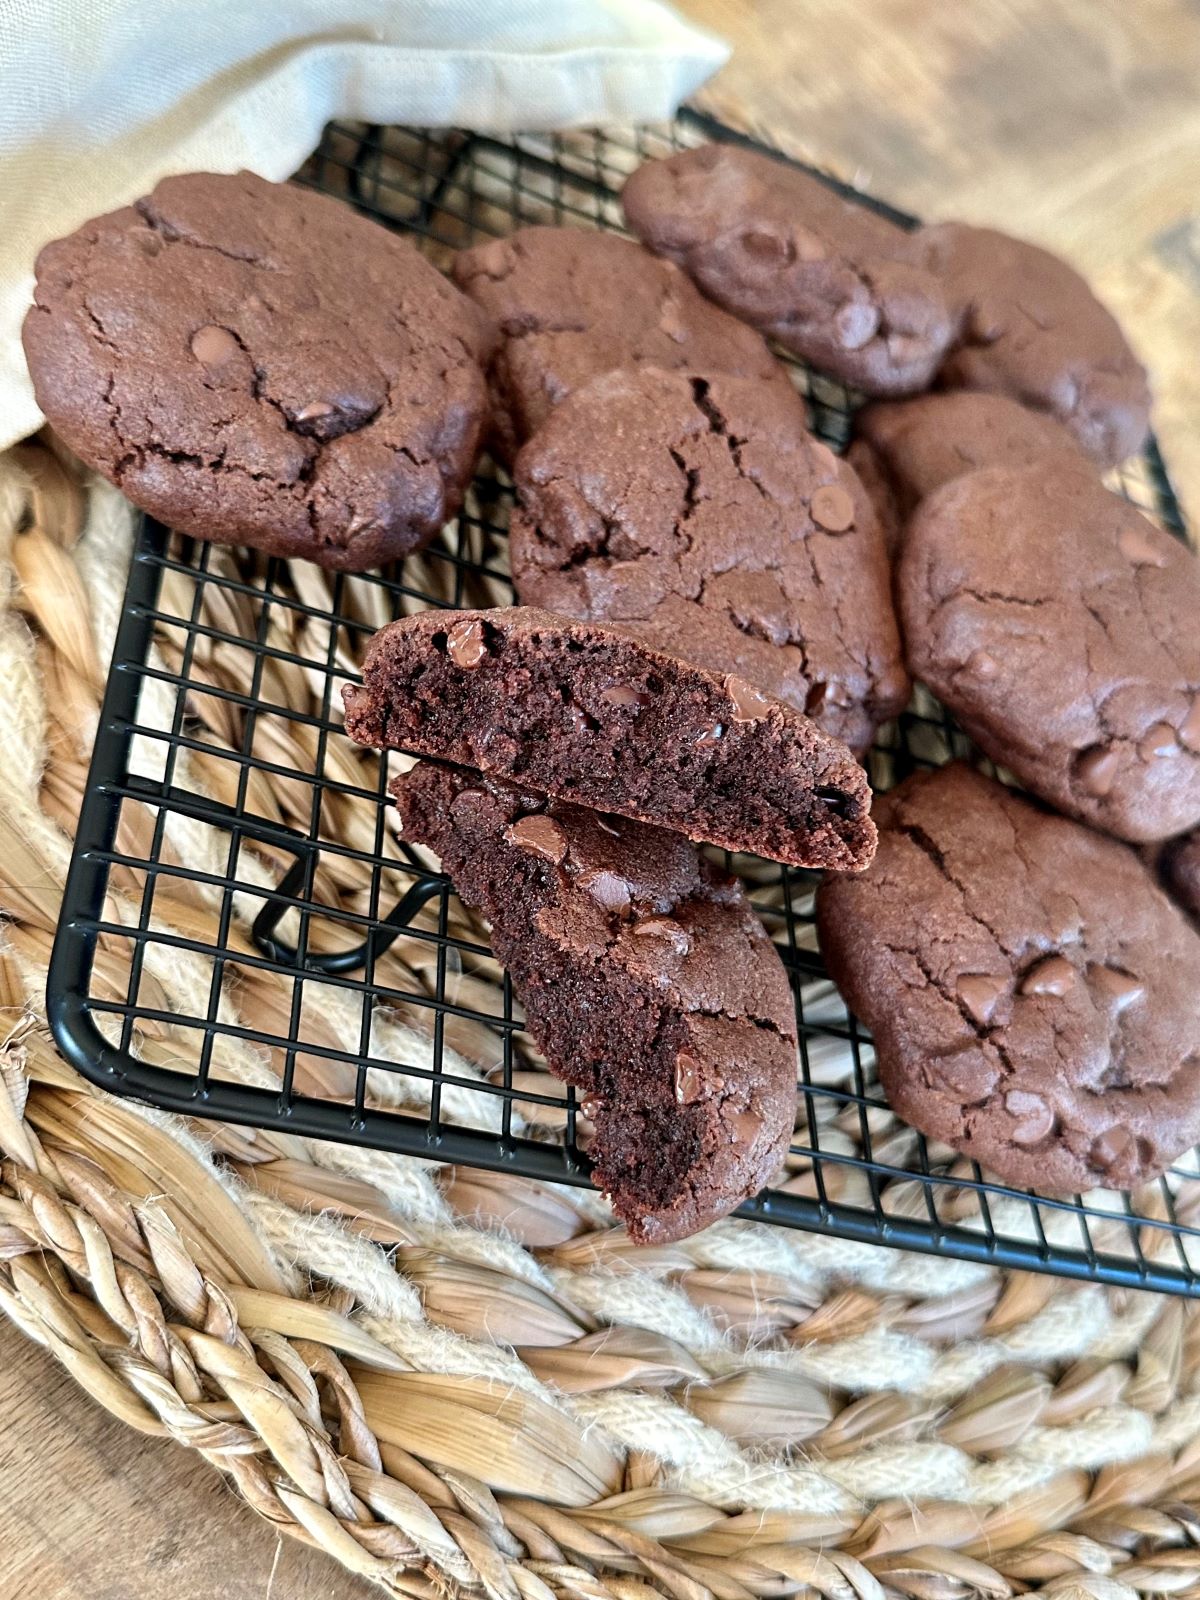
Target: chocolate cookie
1059 625
1031 328
255 363
647 983
702 509
572 303
834 281
1031 991
1179 867
593 715
920 444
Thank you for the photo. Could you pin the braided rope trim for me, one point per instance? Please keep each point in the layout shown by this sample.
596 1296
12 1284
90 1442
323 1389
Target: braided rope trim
458 1378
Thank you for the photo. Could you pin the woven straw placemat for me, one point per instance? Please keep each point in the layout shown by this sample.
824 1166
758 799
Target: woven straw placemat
452 1380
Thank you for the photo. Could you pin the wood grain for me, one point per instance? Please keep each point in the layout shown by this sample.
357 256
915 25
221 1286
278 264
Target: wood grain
91 1511
1072 122
1075 123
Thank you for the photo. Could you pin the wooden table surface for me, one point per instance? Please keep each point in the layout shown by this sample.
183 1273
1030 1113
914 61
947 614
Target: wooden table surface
1073 122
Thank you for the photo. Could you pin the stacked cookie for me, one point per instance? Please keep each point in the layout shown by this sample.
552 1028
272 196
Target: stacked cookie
717 614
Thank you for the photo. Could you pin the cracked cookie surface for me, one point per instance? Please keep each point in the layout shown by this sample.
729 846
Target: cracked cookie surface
592 714
572 303
1059 625
839 284
647 981
702 510
1030 989
256 363
1030 327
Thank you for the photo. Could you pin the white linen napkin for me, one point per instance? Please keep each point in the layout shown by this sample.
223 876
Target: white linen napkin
101 98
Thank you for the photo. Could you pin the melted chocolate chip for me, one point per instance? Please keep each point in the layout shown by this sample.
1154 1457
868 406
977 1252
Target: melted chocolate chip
607 889
541 835
711 736
1119 988
689 1082
1158 742
1035 1119
465 644
749 703
665 928
1140 546
620 694
982 664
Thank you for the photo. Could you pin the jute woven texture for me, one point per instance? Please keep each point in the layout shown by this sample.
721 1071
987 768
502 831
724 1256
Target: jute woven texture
450 1380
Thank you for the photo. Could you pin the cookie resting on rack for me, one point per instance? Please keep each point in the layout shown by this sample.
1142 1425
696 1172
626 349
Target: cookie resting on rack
572 303
1059 625
592 714
701 509
258 364
647 981
1030 989
834 281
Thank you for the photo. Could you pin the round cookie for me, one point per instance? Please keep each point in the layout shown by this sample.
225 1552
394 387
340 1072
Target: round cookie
1030 989
702 509
1031 328
834 281
255 363
922 443
647 982
1059 625
572 303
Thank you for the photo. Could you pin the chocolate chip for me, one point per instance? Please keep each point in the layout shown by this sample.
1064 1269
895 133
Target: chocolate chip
1096 769
711 736
982 664
579 720
1112 1147
749 703
1140 546
591 1106
689 1084
1054 976
1034 1117
620 694
970 1077
465 644
213 346
814 700
744 1126
768 247
1119 988
606 825
541 835
665 928
1158 742
837 800
607 889
979 992
832 508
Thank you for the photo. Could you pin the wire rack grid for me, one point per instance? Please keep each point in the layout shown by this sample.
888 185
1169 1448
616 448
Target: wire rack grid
236 852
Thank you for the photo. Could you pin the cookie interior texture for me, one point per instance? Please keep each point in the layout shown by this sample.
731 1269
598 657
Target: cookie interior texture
1030 989
255 363
1059 626
647 982
593 715
702 510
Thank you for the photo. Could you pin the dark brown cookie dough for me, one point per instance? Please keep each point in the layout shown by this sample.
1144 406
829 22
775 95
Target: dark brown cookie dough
1060 627
702 509
1031 328
593 715
256 363
1179 868
647 981
921 443
839 284
572 303
1031 991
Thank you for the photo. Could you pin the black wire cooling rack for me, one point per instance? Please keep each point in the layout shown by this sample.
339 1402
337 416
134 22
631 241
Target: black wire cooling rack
245 936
